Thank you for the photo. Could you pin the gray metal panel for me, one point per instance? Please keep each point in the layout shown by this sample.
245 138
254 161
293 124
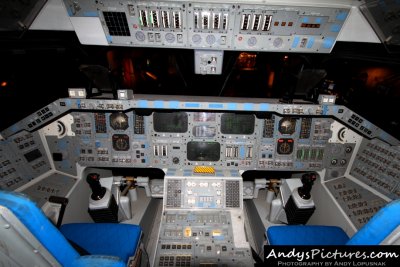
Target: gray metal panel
358 203
199 237
22 158
256 224
65 149
146 147
233 25
110 133
53 185
342 113
19 246
377 164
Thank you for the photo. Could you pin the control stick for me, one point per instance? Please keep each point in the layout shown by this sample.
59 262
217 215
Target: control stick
98 191
308 181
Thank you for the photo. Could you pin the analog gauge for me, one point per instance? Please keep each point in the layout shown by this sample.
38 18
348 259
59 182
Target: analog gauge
287 126
285 146
119 121
120 142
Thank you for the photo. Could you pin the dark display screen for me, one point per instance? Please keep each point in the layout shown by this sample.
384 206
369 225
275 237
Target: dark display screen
203 151
173 122
32 155
232 123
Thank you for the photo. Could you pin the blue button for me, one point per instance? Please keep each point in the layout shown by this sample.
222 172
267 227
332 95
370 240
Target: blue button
264 107
310 42
335 28
143 104
159 104
192 105
232 106
174 104
341 15
328 42
215 105
247 106
306 19
296 42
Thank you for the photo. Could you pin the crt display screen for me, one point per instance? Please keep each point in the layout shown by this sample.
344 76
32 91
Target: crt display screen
32 155
171 122
232 123
203 151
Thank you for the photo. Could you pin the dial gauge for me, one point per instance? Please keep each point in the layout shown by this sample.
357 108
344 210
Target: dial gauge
287 126
119 121
120 142
284 146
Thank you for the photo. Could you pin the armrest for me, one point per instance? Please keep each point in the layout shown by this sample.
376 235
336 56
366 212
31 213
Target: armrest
63 202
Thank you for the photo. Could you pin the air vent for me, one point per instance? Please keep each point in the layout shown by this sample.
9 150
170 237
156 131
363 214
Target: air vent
117 23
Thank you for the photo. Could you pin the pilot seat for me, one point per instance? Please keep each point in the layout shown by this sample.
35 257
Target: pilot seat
28 238
382 228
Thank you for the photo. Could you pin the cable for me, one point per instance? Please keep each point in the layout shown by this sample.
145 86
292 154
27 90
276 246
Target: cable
147 256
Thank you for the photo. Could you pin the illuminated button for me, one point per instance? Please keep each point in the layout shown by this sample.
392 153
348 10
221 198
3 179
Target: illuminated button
204 169
216 233
188 232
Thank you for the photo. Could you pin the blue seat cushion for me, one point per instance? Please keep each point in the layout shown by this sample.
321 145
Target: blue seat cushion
111 239
306 235
37 223
379 226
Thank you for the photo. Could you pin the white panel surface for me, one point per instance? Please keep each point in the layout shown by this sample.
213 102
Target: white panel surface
357 29
89 30
53 16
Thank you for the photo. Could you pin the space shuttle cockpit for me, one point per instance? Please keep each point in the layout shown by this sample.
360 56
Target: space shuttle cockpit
125 177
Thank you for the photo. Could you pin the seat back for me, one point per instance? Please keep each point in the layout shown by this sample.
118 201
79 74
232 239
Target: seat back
28 238
383 224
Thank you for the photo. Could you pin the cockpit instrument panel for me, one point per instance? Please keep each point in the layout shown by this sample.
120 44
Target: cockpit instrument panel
179 134
221 139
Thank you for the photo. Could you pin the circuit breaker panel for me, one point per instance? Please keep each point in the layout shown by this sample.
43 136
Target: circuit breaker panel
246 25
